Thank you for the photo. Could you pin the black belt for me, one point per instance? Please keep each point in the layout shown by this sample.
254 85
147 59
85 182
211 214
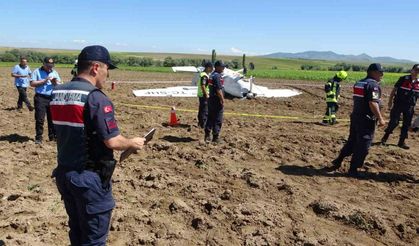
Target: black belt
43 96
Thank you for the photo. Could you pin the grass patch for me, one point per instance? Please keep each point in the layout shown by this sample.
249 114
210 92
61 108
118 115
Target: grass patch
287 69
389 78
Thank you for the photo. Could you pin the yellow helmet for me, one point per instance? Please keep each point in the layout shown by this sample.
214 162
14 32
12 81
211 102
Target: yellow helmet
342 75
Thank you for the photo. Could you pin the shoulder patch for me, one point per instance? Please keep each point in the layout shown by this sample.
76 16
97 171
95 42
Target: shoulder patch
107 109
375 94
111 125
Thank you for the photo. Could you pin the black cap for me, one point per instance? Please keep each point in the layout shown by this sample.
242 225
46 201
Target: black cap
48 61
375 67
208 64
219 63
415 67
96 53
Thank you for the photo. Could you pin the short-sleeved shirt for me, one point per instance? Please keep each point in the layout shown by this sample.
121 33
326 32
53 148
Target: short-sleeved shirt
40 74
101 123
19 70
216 82
365 91
102 115
407 91
78 109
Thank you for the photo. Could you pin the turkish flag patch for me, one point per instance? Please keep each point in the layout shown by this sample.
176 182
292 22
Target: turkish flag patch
107 109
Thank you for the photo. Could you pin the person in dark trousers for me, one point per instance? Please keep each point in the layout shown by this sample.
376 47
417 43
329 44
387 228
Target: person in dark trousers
365 115
74 70
415 125
203 94
405 94
332 89
87 134
44 79
215 103
21 72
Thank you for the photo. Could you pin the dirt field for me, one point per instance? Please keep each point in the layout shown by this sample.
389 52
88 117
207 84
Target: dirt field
263 185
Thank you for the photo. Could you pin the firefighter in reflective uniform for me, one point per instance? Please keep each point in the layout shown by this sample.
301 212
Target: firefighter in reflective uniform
332 89
203 94
215 104
365 114
405 94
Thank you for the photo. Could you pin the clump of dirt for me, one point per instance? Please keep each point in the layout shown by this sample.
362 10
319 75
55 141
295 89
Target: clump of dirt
263 185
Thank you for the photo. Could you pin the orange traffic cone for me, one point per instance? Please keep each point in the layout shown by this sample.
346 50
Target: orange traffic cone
173 118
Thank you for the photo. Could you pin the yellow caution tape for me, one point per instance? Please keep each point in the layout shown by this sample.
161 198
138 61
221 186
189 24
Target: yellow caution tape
226 113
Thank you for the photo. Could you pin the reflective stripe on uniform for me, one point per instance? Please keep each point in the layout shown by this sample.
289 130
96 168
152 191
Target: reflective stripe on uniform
201 76
358 90
67 113
67 107
66 123
331 95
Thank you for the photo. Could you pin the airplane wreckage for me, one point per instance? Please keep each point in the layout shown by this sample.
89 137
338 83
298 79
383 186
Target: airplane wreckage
235 84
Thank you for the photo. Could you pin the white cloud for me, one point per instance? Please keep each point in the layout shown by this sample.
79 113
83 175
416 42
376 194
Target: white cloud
235 50
79 41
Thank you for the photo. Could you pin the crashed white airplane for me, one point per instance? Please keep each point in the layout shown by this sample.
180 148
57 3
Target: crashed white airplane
235 84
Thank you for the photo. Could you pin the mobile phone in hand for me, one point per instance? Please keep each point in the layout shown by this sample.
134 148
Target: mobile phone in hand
149 135
128 152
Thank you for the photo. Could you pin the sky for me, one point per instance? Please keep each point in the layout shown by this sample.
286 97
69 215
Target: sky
377 28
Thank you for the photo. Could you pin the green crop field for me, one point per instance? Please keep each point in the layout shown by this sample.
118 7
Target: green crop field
275 68
146 69
389 78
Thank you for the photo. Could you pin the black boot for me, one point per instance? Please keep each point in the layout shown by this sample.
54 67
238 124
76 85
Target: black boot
385 138
353 172
402 145
207 137
216 138
336 164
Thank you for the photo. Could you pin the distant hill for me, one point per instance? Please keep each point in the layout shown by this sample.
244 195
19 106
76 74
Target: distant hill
332 56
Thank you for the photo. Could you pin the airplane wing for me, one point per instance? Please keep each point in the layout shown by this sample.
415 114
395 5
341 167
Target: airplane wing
177 91
262 91
190 69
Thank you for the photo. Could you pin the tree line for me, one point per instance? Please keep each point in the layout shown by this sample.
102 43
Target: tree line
134 61
354 67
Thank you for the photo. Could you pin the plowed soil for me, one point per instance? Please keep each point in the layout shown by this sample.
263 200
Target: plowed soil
263 185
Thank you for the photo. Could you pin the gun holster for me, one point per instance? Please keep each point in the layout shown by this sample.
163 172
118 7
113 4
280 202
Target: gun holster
104 168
